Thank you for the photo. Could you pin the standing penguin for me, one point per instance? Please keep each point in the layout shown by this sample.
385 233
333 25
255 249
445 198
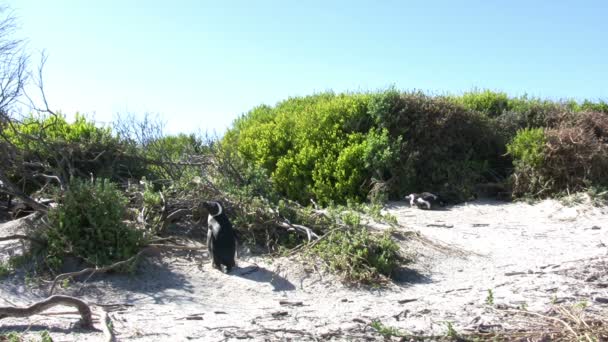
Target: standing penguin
221 240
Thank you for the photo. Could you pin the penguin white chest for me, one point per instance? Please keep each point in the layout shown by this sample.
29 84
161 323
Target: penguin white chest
214 225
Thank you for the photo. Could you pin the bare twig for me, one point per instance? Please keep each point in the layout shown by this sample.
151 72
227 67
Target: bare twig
177 214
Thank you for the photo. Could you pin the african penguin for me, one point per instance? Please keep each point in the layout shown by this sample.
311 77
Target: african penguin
424 200
412 198
221 239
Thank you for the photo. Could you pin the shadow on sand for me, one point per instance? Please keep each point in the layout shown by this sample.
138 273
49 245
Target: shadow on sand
262 275
405 276
153 281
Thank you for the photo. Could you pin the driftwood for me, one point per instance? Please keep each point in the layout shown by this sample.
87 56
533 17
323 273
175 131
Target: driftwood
36 308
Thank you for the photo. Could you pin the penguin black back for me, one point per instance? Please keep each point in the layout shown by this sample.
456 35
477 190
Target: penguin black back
221 240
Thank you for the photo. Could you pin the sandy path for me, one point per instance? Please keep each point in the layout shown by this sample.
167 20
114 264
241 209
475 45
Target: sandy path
528 255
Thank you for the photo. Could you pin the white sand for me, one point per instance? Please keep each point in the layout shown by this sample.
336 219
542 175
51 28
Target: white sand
529 256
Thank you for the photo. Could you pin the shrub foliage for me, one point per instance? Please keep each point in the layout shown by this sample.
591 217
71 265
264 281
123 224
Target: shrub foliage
337 147
322 147
88 224
358 255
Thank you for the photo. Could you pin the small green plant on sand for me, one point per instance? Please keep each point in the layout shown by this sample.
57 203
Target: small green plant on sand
490 297
386 331
451 331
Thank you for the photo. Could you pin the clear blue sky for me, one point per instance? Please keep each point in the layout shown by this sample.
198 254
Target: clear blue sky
200 64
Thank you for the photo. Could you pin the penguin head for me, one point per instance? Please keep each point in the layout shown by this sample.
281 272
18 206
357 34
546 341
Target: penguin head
213 207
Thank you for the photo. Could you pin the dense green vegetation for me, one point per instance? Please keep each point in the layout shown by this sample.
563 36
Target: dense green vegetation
114 187
333 148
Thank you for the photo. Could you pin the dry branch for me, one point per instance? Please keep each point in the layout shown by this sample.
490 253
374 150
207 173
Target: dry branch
36 308
93 270
312 244
177 214
300 229
11 189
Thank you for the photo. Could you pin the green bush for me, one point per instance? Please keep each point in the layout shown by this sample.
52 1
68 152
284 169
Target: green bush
599 107
528 147
528 150
322 147
358 255
336 148
444 147
488 102
88 224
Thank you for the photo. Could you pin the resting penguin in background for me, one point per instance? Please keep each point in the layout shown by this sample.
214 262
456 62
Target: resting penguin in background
221 240
424 200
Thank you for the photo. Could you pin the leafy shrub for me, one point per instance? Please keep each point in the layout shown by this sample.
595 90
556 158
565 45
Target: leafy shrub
528 147
528 150
445 147
336 148
88 224
321 146
358 255
599 107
